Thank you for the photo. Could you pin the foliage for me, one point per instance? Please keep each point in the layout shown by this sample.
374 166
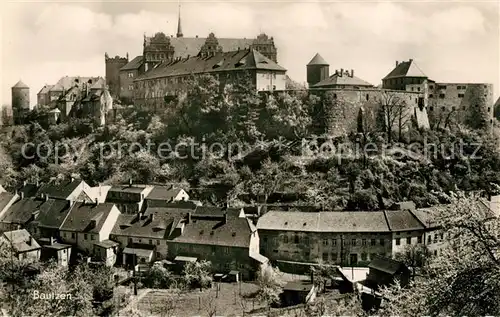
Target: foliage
197 274
269 284
158 277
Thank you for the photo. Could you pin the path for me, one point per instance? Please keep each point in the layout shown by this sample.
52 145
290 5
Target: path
136 299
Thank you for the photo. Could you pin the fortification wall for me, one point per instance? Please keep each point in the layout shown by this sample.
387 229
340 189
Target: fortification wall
113 66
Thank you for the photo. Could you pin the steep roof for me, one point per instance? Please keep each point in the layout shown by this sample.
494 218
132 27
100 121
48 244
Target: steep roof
29 189
344 80
135 226
317 60
82 215
219 62
209 230
403 220
21 240
53 212
61 191
5 199
163 193
218 211
22 210
20 84
133 64
406 69
191 46
45 89
386 265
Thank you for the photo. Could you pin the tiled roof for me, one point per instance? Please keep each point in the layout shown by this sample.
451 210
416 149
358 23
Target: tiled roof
190 46
21 240
45 89
20 84
129 189
5 199
403 220
133 64
22 210
99 83
98 192
344 80
223 61
159 228
61 191
386 265
163 193
82 215
218 211
426 216
406 69
235 232
53 212
29 189
317 60
356 221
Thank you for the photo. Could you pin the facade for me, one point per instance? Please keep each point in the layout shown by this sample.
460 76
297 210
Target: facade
113 66
162 196
72 189
50 218
43 95
344 238
20 101
128 198
384 271
20 214
22 244
448 103
127 74
54 250
87 224
154 87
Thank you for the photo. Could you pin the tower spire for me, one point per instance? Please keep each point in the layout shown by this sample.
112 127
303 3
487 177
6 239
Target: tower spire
179 27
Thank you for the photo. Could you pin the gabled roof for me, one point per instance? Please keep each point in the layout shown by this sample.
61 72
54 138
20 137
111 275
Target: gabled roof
403 220
53 212
135 226
219 62
344 80
22 210
82 216
406 69
163 193
21 240
191 46
317 60
218 211
29 189
386 265
136 63
20 84
60 191
45 89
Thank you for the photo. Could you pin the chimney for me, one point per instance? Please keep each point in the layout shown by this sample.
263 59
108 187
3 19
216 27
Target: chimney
22 195
24 183
30 241
141 215
37 183
188 218
72 179
70 202
341 72
225 218
96 202
352 73
397 63
152 217
411 60
46 197
130 182
52 240
93 223
336 72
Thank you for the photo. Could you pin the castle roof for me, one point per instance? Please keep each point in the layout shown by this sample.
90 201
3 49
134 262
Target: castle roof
45 89
317 60
406 69
222 61
344 79
20 84
133 64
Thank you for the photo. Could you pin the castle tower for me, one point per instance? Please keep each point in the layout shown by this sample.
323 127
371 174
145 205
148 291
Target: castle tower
179 27
20 101
317 70
113 66
157 49
265 45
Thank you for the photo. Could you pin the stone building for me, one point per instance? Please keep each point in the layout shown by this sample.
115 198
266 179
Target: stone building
344 238
167 80
161 48
446 103
21 244
20 101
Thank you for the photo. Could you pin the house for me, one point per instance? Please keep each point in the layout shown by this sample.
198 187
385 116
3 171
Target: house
298 292
29 189
54 250
226 239
21 214
22 244
72 189
159 196
89 223
384 271
52 214
129 198
98 193
106 251
6 201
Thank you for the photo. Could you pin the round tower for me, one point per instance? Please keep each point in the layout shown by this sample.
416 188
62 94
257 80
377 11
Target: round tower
317 70
21 96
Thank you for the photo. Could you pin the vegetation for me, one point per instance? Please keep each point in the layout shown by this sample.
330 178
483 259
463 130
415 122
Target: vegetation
197 274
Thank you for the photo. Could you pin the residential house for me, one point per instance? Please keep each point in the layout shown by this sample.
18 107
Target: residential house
52 214
98 193
21 214
160 196
89 223
298 292
29 189
385 271
128 198
54 250
22 244
72 189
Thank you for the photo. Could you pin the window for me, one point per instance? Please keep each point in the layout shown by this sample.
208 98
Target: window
452 108
441 236
73 235
296 239
363 242
130 240
306 240
325 241
418 88
408 240
489 109
307 254
381 241
430 96
130 75
64 251
285 239
419 239
367 97
325 256
441 96
213 249
85 236
429 239
398 241
334 257
334 242
150 241
460 95
373 256
363 256
130 87
265 239
431 108
92 237
431 87
372 242
353 242
158 242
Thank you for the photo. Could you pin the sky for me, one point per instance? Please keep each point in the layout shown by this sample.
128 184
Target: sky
457 41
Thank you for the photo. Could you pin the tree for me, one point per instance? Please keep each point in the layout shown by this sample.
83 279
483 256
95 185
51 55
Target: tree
158 277
415 256
464 280
269 285
197 274
395 112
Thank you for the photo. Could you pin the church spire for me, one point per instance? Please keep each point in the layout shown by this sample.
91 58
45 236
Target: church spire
179 27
